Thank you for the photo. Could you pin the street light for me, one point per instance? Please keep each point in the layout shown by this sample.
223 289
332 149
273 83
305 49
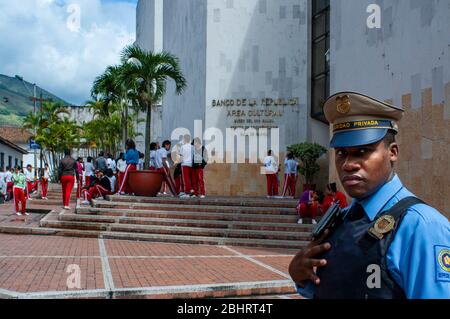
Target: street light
20 78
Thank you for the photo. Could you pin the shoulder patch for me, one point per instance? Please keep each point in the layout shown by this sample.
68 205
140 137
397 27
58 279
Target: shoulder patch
442 254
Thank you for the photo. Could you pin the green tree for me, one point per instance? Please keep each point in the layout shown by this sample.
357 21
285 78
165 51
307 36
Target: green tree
308 154
146 73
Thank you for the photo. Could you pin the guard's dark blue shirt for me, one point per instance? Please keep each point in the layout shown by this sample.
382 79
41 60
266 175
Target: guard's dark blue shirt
419 256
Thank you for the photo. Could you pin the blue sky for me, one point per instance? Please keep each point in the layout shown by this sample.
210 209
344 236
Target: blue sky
62 45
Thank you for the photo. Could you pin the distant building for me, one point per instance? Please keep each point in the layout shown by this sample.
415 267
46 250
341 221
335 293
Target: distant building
14 148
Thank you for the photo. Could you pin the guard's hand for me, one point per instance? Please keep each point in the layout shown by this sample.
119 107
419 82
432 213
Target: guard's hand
304 265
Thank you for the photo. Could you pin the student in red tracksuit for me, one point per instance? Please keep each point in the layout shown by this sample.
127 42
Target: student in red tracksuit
45 177
9 182
162 166
132 159
271 170
186 156
198 166
102 186
333 195
290 175
19 187
32 184
67 173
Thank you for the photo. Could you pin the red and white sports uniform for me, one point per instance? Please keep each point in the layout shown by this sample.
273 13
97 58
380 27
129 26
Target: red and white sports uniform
290 177
186 154
32 185
44 183
271 169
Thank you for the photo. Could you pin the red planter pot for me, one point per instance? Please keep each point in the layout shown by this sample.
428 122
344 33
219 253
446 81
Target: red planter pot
145 183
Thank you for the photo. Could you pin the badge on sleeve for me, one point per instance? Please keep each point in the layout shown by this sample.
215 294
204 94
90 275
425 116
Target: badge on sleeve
442 263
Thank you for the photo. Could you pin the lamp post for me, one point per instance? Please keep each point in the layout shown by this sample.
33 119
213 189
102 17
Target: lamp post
34 112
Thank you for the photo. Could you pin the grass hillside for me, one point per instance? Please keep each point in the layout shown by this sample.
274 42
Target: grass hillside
15 101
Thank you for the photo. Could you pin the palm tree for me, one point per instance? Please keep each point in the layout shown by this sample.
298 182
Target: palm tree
108 88
146 73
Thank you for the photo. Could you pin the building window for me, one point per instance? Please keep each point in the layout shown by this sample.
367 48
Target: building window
320 68
10 161
16 162
2 160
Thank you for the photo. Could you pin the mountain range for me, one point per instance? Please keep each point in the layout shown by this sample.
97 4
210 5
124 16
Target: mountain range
15 102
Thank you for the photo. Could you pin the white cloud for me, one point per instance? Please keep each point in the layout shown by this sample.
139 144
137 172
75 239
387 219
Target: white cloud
37 43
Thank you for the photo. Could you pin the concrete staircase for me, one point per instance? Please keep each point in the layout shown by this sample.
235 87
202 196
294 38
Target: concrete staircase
251 222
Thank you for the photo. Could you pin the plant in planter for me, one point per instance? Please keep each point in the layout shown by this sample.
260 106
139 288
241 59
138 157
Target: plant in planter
308 154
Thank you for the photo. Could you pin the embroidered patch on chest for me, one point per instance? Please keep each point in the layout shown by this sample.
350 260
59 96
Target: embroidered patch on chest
442 254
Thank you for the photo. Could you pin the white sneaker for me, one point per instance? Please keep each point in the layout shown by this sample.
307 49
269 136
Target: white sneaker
164 193
185 196
314 222
30 199
203 196
193 196
27 214
66 207
86 202
159 194
19 214
300 221
182 194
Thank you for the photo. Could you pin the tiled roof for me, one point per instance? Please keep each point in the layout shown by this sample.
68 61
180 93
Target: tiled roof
12 145
14 134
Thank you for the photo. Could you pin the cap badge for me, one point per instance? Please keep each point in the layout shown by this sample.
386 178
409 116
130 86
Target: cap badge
343 104
382 226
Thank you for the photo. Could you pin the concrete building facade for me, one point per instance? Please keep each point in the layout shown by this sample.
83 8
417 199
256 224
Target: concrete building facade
246 64
393 50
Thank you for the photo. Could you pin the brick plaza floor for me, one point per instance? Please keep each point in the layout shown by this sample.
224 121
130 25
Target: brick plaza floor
38 267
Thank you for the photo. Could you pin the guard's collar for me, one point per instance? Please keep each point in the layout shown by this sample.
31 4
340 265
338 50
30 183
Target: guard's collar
377 201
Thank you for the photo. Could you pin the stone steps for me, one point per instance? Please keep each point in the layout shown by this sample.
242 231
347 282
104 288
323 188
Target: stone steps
189 207
258 218
211 201
220 224
253 222
177 230
181 239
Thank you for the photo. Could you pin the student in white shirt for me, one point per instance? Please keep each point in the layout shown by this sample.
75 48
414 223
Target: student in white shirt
153 150
9 182
290 175
121 168
271 170
45 178
89 171
32 185
162 165
111 164
186 155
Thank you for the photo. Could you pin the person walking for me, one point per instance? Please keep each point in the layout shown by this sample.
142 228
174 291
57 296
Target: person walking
45 178
271 170
290 175
100 162
89 171
198 166
162 166
19 188
132 159
186 156
9 182
79 176
121 167
32 184
67 172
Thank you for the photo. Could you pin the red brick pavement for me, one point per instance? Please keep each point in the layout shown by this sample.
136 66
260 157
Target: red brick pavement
30 264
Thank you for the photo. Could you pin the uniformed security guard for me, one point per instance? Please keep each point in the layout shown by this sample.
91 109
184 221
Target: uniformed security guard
386 231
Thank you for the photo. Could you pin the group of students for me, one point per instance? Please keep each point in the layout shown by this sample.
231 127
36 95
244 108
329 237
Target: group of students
19 184
312 203
189 164
271 170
